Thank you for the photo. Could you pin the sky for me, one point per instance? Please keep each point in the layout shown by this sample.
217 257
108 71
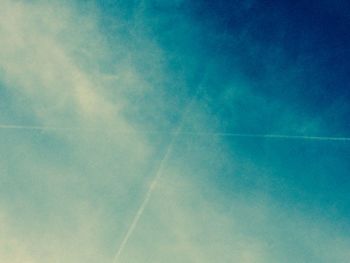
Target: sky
174 131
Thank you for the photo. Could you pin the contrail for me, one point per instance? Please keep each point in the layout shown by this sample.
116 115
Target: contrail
39 128
178 133
145 201
297 137
268 136
157 176
23 127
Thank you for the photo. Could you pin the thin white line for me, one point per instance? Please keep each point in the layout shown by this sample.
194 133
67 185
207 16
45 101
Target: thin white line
269 136
178 133
31 127
142 207
158 175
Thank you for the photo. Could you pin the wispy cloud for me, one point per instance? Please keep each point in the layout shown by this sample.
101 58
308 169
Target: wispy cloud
94 96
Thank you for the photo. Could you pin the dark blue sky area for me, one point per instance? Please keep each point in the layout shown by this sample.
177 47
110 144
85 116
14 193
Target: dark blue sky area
294 55
265 67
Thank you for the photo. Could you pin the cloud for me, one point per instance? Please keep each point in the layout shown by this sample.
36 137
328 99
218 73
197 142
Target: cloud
70 195
42 67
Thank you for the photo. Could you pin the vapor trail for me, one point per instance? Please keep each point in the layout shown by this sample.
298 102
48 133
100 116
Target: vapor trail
20 127
145 201
282 136
183 133
269 136
158 175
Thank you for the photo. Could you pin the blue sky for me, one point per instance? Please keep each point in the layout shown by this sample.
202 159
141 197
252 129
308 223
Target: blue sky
177 131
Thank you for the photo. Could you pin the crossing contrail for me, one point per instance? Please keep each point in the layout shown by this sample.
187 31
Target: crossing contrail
178 133
144 203
175 134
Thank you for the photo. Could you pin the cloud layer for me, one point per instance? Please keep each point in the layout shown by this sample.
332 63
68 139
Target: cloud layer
110 81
